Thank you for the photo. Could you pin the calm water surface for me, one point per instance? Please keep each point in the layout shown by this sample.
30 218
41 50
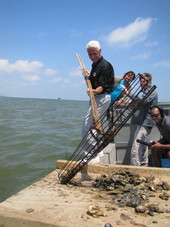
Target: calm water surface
34 134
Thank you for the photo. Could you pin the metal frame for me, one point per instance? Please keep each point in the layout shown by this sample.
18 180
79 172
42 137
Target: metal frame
112 122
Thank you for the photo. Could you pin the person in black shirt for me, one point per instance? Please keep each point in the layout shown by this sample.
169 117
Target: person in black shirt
161 148
102 80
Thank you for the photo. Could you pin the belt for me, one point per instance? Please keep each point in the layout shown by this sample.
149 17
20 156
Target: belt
104 93
107 92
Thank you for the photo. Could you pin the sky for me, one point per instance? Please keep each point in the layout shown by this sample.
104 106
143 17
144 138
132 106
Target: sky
39 40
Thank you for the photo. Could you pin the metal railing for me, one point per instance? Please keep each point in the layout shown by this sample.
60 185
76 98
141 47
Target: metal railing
112 122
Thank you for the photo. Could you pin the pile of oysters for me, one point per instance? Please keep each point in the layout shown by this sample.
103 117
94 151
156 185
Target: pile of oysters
129 189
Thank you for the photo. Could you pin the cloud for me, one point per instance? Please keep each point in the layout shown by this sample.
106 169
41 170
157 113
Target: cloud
76 85
11 84
50 72
56 80
20 66
66 81
74 33
75 71
31 78
165 64
141 56
151 44
133 33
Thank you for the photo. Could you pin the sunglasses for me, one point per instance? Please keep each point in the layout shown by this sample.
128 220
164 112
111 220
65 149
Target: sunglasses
155 115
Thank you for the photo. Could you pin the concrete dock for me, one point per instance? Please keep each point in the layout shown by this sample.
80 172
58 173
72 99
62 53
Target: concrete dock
47 203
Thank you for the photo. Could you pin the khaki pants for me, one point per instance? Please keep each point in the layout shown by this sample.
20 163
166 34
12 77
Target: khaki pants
139 152
103 103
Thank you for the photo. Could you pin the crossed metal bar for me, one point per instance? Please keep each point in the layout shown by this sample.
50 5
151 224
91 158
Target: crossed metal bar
112 122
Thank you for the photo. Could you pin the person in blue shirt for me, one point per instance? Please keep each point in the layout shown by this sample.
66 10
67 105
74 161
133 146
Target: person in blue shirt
119 94
121 88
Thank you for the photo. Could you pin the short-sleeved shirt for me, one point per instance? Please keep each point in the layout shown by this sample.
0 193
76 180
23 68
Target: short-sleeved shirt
102 74
142 116
117 91
164 128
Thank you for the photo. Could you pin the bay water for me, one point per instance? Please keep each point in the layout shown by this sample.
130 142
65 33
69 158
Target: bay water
34 134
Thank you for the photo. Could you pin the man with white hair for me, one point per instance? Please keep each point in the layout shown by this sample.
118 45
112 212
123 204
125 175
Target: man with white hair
102 80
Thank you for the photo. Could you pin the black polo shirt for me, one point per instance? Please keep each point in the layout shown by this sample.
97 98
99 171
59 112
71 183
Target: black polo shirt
102 74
